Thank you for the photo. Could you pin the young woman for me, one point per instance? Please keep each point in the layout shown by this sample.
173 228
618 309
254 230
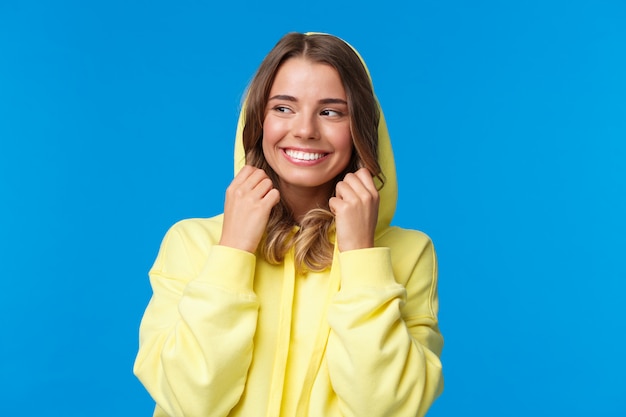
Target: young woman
301 299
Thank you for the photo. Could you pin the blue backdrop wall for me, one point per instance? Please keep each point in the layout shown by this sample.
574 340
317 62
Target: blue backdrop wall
509 125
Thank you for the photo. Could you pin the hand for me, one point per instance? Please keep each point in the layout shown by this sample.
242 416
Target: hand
249 201
355 207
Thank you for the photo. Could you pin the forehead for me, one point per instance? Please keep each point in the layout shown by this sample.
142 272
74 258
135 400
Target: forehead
301 76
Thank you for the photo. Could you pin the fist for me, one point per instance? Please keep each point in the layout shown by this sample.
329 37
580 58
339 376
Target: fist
355 207
247 206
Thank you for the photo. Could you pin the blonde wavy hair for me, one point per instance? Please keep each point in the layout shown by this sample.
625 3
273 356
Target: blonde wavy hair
313 248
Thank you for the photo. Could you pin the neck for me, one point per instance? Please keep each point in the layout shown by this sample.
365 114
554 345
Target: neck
301 200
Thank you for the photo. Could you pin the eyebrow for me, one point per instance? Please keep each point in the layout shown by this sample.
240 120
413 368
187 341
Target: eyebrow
322 101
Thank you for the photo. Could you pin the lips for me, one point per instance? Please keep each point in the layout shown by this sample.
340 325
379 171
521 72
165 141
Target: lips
304 156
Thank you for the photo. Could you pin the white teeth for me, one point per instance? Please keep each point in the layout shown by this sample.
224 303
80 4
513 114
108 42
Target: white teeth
303 156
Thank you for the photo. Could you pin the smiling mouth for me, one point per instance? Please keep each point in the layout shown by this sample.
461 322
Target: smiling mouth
304 156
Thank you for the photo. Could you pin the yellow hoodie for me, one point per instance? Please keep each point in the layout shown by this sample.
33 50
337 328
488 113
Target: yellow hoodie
227 334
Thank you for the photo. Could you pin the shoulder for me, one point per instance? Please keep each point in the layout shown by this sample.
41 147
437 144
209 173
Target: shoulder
405 240
187 243
414 263
412 256
198 229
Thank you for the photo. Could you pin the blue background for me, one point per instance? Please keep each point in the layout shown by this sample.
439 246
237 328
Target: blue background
509 125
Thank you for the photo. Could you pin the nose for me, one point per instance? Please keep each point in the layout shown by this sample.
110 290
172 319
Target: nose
305 126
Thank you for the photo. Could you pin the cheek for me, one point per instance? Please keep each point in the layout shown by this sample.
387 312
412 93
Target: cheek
343 142
267 151
271 132
271 136
347 143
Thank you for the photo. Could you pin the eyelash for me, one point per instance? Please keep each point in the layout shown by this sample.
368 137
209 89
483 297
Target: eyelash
325 112
337 113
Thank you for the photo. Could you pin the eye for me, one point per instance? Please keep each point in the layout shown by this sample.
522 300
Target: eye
331 113
281 109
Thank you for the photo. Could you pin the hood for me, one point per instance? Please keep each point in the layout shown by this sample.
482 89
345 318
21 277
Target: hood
389 192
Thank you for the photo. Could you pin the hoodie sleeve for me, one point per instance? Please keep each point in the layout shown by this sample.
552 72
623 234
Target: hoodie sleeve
383 350
196 335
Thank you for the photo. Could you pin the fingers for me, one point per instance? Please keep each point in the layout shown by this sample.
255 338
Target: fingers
366 179
355 207
358 185
261 188
249 177
247 206
332 204
272 197
243 174
254 183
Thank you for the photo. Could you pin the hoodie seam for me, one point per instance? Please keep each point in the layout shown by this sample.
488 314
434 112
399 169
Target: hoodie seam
433 284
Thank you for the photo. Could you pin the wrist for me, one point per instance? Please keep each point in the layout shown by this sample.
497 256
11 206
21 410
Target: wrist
238 244
355 245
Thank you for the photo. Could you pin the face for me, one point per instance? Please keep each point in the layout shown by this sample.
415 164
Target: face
306 131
